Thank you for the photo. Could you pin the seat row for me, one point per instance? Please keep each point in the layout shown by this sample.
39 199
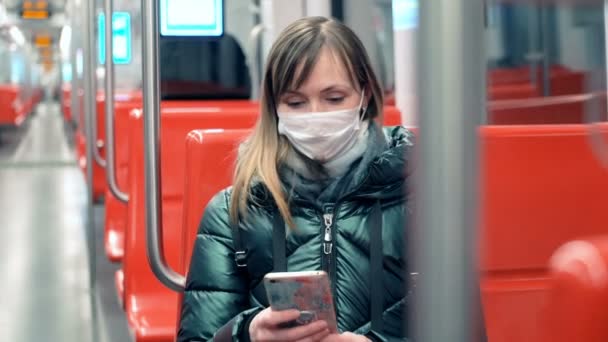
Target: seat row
16 103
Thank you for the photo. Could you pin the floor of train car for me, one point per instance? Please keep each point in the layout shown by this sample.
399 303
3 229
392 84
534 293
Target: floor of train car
44 290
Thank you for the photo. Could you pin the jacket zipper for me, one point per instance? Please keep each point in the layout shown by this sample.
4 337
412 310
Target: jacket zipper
328 244
328 253
327 236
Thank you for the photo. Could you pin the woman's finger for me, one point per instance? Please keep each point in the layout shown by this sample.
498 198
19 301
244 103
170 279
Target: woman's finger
301 332
316 337
331 338
274 318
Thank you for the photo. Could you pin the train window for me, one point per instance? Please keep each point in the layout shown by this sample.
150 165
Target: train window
203 69
206 67
542 53
202 18
375 23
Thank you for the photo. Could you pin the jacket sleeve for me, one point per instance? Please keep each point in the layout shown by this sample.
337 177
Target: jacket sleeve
394 329
216 290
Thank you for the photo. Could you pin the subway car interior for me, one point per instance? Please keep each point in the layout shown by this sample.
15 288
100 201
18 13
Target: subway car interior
117 130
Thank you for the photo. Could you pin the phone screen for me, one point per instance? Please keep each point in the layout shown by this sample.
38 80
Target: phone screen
310 294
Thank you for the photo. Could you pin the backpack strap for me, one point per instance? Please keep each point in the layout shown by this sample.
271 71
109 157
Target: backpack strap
376 269
279 259
278 243
240 253
224 334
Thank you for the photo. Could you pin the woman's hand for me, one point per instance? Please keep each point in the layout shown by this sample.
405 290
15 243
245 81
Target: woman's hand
265 326
345 337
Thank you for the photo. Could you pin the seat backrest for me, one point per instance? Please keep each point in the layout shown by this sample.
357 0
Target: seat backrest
501 76
130 99
66 101
8 95
177 122
566 109
205 148
568 82
541 186
580 297
175 125
122 111
513 91
124 108
392 116
124 101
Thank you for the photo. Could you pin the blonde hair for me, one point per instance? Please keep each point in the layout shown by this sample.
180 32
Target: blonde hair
290 62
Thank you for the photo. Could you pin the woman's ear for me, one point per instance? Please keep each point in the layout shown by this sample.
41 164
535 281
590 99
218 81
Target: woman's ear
365 103
367 96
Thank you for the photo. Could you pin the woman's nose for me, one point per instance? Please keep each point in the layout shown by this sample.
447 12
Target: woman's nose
316 106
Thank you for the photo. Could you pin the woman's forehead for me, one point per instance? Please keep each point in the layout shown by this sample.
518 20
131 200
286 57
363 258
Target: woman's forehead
329 70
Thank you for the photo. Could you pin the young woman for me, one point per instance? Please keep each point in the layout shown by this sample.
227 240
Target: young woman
321 172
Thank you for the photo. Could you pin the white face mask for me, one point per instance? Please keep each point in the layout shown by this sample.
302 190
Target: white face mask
322 136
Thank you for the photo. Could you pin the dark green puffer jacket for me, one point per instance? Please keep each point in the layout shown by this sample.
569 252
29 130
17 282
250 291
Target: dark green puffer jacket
218 291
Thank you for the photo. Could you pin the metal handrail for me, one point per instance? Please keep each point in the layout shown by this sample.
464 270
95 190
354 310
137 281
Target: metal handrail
109 109
97 144
256 69
152 173
90 93
539 101
92 108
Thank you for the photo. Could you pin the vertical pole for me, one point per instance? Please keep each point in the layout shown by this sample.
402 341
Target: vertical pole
533 43
89 77
605 66
75 84
451 96
544 34
258 57
109 110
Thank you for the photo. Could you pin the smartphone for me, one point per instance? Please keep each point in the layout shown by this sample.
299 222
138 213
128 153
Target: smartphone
308 292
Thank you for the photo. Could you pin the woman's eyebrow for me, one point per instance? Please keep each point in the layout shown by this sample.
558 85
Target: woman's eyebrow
292 92
327 89
336 87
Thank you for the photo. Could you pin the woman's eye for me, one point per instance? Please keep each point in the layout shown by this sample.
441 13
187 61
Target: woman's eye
295 104
335 100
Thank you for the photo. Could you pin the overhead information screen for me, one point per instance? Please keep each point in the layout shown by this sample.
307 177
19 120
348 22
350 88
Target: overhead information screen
121 42
194 18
